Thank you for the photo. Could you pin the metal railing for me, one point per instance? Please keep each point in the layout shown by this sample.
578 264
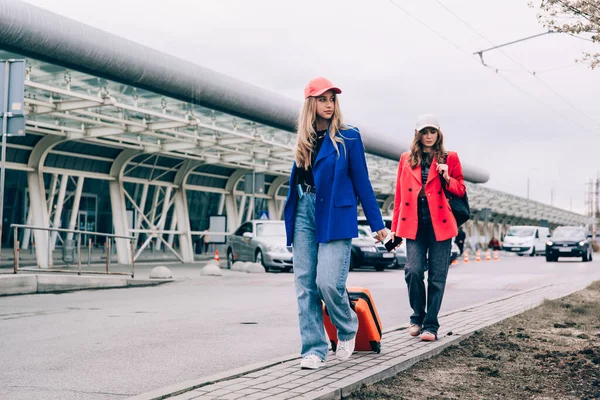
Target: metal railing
79 234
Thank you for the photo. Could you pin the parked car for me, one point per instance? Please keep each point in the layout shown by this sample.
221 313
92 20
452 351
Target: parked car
569 241
530 240
399 252
367 252
260 241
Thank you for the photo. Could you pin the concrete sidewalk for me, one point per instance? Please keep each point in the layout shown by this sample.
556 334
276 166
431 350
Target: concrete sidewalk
283 378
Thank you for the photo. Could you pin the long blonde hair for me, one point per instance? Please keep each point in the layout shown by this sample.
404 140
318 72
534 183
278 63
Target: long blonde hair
307 134
416 149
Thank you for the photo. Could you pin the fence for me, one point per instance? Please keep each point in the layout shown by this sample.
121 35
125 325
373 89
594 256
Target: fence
69 247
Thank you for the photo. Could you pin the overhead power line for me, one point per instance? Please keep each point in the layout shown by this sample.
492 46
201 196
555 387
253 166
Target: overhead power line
533 73
496 71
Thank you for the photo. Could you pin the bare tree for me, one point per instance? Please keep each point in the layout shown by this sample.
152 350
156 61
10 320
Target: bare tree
573 17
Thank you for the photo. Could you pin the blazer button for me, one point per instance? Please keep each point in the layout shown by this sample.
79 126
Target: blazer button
444 221
441 207
439 192
410 189
403 219
405 204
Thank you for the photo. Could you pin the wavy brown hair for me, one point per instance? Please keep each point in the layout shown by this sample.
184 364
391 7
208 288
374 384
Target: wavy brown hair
307 134
416 149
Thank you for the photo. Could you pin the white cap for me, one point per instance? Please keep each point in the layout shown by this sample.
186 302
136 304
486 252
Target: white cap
427 121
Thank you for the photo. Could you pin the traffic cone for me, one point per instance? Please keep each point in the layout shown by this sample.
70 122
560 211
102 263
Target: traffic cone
217 255
454 262
478 256
496 255
466 258
488 255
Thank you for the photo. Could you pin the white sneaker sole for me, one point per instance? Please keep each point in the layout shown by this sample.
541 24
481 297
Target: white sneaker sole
312 366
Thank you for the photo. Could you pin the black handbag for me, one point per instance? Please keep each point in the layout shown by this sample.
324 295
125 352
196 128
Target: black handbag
459 205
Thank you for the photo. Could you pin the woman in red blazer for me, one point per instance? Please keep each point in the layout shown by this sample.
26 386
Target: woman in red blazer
423 216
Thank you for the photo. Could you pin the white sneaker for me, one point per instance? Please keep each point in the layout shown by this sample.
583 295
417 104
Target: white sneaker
311 361
345 348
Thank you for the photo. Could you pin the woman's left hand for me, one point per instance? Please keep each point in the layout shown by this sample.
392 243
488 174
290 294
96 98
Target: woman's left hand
443 170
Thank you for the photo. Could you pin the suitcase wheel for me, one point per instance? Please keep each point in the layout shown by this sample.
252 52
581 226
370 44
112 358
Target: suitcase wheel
376 347
333 345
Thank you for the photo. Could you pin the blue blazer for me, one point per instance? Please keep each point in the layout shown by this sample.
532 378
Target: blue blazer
339 180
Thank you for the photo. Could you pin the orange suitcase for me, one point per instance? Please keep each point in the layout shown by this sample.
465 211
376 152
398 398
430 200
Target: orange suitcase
368 337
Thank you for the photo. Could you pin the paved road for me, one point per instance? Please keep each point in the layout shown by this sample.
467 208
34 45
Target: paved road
112 344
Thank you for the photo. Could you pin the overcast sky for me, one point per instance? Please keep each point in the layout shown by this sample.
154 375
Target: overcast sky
393 66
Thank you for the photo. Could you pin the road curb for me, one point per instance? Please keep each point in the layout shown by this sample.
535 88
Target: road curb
11 285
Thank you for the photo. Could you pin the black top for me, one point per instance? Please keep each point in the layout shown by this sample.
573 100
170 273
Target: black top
423 210
425 164
305 176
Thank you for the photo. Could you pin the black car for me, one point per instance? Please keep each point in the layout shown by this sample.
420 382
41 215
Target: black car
366 251
569 241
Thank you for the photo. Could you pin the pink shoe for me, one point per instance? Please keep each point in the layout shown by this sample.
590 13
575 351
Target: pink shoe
428 336
414 329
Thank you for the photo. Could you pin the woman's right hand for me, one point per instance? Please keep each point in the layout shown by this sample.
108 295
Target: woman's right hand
394 238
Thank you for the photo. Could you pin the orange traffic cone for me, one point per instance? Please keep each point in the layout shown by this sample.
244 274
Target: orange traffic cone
478 256
217 255
496 255
466 258
488 255
454 262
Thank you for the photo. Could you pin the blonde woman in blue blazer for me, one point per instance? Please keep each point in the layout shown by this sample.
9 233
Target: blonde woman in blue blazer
320 214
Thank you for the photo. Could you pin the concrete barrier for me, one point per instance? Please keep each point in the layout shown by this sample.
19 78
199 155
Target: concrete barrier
239 266
255 268
211 270
42 283
17 284
161 272
59 283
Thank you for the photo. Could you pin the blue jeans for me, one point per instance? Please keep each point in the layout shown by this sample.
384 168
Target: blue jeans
421 254
320 273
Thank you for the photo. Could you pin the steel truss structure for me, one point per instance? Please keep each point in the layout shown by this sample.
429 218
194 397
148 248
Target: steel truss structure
152 150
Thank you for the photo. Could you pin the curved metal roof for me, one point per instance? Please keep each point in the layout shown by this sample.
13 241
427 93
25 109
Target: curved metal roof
41 34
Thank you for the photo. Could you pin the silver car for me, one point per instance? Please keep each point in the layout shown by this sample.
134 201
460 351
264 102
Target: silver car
260 241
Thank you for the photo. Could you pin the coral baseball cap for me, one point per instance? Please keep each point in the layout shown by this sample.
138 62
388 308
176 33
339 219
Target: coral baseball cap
427 121
318 86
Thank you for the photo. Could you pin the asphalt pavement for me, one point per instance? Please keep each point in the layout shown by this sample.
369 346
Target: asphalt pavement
112 344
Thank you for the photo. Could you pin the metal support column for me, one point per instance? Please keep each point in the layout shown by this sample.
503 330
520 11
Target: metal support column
118 208
75 209
142 207
59 207
163 216
39 213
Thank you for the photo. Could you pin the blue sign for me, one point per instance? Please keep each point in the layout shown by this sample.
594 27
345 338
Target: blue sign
263 215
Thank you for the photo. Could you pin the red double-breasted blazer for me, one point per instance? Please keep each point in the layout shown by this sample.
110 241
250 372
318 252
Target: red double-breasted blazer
405 221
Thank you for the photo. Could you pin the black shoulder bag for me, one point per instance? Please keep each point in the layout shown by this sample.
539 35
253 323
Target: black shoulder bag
459 205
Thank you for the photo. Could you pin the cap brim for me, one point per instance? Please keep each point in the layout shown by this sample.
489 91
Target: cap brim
320 92
428 126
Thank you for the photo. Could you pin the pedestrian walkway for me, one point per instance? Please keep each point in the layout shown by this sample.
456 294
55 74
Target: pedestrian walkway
283 379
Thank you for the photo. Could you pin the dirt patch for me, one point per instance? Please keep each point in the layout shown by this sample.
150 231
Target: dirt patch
550 352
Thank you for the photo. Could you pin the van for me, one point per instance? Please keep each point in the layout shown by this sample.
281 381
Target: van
526 240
